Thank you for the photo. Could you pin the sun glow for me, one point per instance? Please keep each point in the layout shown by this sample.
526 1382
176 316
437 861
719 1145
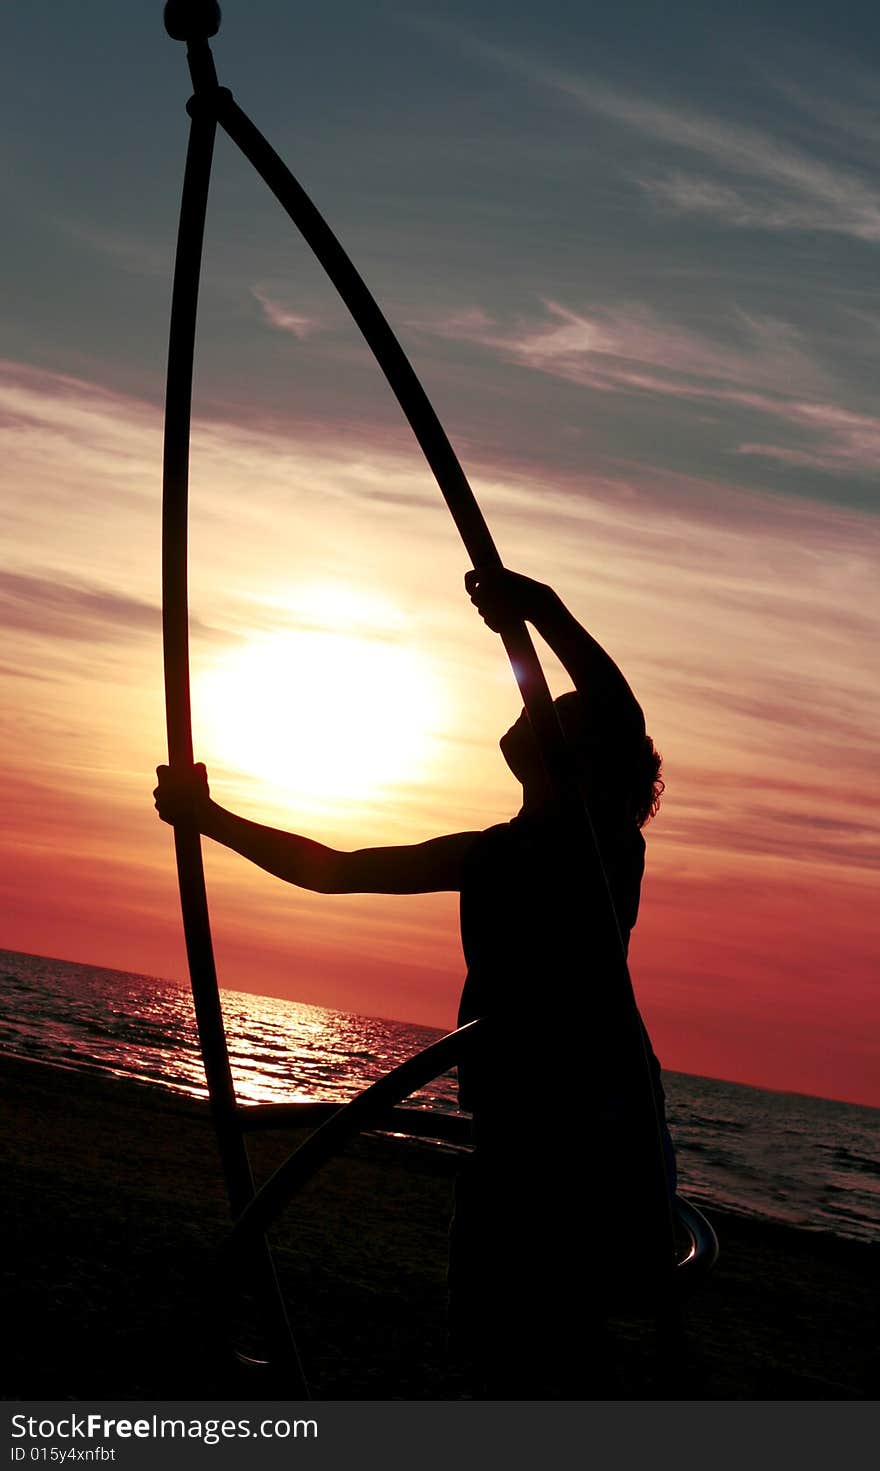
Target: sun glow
326 716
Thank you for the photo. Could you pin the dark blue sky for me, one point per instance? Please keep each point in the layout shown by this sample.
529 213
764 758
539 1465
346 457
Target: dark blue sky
686 176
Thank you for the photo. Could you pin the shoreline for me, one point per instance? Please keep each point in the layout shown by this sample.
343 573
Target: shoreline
705 1202
162 1091
118 1211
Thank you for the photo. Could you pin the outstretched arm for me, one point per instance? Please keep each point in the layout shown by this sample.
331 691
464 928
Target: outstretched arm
419 868
500 596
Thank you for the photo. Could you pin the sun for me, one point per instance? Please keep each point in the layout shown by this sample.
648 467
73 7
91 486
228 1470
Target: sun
327 717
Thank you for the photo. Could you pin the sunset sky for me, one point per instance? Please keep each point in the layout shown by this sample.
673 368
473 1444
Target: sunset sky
633 253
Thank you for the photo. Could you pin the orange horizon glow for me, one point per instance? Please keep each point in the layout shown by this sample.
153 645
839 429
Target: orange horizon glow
752 959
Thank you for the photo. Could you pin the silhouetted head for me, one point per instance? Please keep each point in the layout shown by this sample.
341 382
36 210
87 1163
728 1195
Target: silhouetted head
618 767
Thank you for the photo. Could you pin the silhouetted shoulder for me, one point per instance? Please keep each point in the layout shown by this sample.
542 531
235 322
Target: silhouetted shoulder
419 868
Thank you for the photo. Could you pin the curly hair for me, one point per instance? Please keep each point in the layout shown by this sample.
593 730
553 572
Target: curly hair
648 785
627 760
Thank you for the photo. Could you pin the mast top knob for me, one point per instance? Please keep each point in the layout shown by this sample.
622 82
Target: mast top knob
192 20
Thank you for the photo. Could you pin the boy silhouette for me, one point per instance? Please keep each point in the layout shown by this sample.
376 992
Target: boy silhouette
526 1304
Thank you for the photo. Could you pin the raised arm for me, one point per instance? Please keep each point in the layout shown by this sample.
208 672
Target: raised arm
418 868
501 596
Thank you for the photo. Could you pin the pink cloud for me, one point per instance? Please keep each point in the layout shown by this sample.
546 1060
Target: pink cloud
633 349
297 323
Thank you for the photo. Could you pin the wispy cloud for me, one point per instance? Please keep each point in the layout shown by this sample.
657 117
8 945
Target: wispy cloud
73 435
835 101
842 442
16 672
51 607
768 829
132 253
611 346
461 324
762 367
767 183
752 207
297 323
782 186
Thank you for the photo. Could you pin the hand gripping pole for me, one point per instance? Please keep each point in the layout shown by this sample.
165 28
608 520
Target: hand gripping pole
175 625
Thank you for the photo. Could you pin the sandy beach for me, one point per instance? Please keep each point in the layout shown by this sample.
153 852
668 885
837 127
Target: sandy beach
115 1211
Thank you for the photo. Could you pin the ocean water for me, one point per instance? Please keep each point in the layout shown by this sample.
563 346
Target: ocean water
809 1162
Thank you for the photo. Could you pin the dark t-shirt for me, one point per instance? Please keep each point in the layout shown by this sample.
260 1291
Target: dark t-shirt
540 958
557 1089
